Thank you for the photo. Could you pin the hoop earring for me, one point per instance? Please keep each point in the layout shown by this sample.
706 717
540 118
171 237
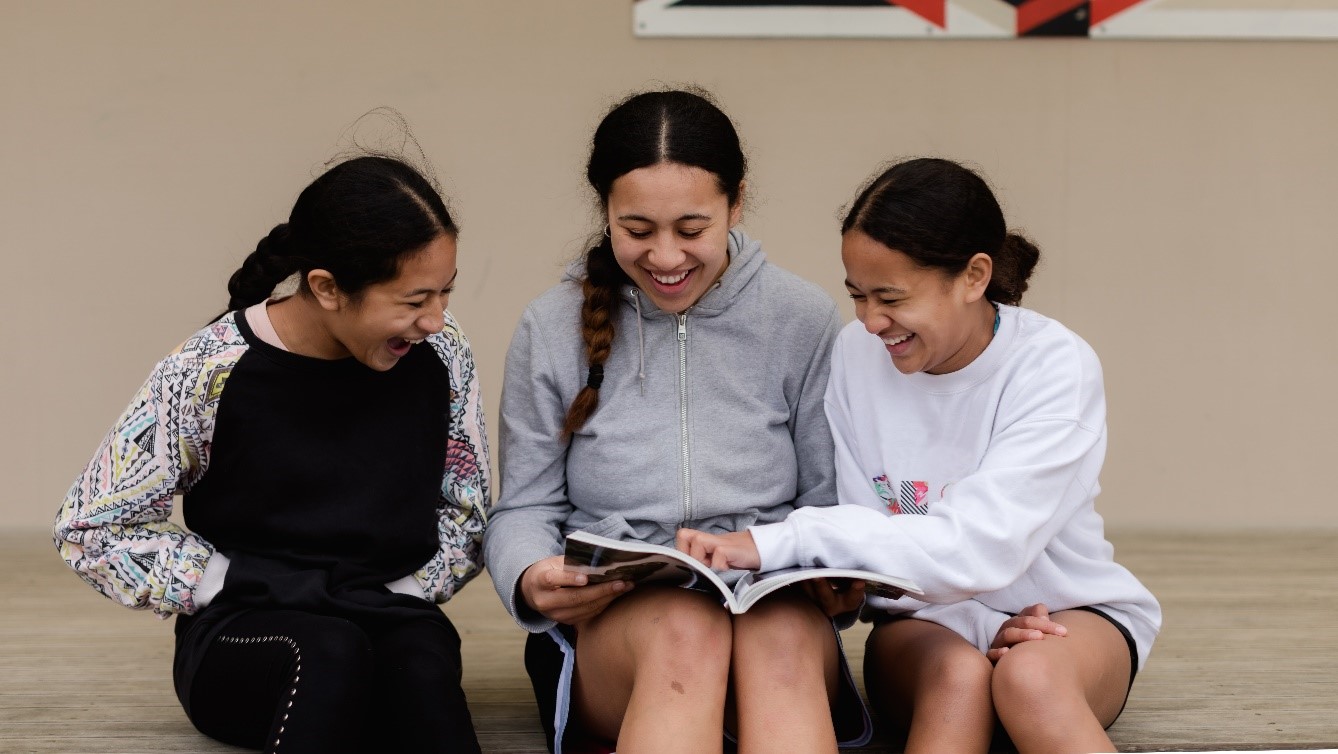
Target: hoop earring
606 231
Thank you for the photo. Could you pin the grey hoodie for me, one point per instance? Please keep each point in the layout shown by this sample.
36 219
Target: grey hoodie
711 420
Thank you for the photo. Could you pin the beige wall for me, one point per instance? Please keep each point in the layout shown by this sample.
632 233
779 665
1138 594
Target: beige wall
1184 195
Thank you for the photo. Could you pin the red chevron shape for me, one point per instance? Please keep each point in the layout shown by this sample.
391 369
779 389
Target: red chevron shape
933 11
1033 13
1104 9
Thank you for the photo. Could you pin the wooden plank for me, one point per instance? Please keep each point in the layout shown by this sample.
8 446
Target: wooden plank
1247 660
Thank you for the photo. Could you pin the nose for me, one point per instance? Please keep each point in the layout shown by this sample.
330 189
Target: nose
433 321
872 321
664 253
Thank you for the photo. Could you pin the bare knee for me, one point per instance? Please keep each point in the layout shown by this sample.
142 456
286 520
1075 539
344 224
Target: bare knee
783 627
964 672
1027 681
788 640
688 637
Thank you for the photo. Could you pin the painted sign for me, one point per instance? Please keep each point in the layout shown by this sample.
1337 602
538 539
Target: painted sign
990 19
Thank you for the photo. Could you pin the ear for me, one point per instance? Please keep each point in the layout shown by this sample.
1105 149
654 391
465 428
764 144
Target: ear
325 290
736 211
976 276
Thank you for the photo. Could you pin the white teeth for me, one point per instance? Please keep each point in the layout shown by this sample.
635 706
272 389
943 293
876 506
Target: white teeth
670 279
416 342
896 340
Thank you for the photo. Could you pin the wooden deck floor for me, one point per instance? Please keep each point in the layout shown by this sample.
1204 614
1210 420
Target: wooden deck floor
1248 657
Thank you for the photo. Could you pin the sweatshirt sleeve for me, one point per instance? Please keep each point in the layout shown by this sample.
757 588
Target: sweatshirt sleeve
462 514
988 528
112 527
532 504
809 426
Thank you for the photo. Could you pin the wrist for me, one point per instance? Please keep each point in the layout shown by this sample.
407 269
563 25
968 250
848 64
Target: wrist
777 545
523 599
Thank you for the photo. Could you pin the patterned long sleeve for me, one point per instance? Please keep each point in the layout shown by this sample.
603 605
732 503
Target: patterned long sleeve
113 526
466 483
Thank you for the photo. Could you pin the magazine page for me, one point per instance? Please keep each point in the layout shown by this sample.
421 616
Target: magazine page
755 586
603 559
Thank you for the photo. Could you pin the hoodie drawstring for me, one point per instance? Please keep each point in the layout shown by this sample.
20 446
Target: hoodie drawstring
641 340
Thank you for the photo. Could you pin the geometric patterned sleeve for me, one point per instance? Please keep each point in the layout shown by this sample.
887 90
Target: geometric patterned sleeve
462 509
113 527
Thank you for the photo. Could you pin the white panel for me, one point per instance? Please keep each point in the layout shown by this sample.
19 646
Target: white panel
965 18
653 18
1152 21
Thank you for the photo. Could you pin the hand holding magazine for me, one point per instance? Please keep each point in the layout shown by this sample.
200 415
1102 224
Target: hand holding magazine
603 559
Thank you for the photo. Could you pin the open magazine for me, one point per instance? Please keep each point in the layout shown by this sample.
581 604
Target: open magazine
603 559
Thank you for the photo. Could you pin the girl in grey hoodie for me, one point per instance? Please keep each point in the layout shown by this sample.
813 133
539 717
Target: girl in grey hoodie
674 379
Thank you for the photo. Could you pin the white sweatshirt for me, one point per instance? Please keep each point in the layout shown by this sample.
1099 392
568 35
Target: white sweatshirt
978 484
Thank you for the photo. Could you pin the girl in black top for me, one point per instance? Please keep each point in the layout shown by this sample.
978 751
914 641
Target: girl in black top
330 452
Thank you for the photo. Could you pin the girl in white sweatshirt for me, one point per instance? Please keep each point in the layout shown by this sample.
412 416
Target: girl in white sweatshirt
969 437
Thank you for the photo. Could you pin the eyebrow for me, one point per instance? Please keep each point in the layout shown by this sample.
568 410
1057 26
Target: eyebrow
881 289
422 291
644 219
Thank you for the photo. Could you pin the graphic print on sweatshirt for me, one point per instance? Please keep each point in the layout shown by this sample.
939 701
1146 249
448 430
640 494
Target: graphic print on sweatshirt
909 496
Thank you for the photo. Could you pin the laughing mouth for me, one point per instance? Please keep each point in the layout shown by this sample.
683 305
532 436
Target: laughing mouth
398 343
669 280
899 339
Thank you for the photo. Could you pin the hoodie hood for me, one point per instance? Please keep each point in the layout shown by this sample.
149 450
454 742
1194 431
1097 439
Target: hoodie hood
745 259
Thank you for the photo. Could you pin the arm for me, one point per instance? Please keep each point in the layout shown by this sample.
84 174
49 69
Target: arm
113 528
980 538
525 525
808 424
1041 465
462 514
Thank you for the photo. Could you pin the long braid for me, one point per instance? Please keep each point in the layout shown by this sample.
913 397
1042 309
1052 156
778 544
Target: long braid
603 279
271 262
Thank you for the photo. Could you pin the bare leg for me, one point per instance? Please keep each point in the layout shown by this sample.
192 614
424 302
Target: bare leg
931 683
785 675
652 670
1059 693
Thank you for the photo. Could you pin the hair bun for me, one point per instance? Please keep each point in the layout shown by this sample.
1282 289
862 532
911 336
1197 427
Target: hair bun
1013 265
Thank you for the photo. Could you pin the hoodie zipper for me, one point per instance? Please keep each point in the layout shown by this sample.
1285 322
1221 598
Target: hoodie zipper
683 413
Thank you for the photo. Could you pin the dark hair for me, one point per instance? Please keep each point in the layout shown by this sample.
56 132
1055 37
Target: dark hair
681 127
358 221
940 214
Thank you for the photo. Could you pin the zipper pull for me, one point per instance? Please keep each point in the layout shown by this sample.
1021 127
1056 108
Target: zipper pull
682 327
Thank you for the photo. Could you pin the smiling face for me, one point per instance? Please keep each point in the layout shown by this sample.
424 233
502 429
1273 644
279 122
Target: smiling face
381 324
929 320
669 226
